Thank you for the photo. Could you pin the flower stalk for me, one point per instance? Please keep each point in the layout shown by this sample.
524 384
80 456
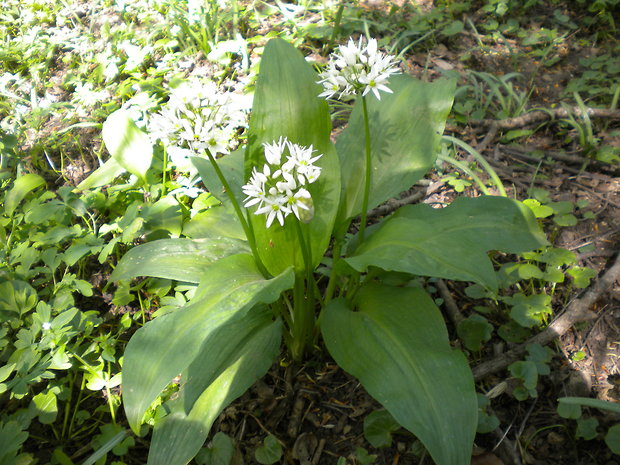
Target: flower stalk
246 228
367 172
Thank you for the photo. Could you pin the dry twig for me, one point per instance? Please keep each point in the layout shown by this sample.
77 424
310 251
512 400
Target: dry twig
577 311
452 309
537 116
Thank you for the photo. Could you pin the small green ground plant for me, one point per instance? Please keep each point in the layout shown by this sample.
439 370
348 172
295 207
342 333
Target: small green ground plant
287 195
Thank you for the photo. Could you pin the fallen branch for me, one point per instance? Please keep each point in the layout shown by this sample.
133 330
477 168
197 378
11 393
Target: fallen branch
537 116
394 204
577 311
452 309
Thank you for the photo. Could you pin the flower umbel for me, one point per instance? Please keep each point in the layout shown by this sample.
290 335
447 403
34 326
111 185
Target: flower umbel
198 117
356 69
279 188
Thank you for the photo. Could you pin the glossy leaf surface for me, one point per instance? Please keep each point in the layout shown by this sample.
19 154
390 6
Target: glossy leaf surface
168 345
404 128
286 104
232 169
232 358
103 175
451 242
397 345
128 145
178 259
21 187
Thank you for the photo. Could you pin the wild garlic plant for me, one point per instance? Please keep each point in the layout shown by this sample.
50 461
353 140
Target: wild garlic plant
278 260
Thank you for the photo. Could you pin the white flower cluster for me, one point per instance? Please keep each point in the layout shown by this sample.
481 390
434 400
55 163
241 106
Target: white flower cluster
198 117
358 69
278 190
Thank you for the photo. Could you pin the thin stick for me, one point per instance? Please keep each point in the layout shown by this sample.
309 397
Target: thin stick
452 309
577 311
539 115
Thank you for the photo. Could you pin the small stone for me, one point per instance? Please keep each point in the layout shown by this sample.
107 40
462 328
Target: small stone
555 438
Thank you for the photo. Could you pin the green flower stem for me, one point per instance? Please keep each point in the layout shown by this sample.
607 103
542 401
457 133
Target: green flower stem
163 174
303 318
366 174
303 306
246 228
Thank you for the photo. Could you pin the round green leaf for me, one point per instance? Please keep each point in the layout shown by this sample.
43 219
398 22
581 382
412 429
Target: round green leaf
612 439
270 452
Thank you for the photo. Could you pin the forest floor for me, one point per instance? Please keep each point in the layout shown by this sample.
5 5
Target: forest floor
539 103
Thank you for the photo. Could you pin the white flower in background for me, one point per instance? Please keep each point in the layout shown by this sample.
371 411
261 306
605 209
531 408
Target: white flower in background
135 54
356 69
109 61
187 187
139 106
87 96
278 189
195 10
46 326
198 117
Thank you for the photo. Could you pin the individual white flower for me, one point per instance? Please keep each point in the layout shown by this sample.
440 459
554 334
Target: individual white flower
375 83
297 200
274 207
273 152
255 189
278 189
46 326
357 69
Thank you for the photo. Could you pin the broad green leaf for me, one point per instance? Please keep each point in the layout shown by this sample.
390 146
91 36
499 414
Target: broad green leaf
396 344
11 438
220 452
16 296
103 175
63 459
486 422
529 310
128 145
166 346
612 439
474 331
541 356
165 214
244 351
404 129
586 429
21 187
45 407
566 410
451 242
286 104
231 166
216 221
526 371
270 452
581 276
378 428
178 259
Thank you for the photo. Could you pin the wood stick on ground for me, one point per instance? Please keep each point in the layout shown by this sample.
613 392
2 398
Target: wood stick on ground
577 311
493 129
394 204
452 309
537 116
